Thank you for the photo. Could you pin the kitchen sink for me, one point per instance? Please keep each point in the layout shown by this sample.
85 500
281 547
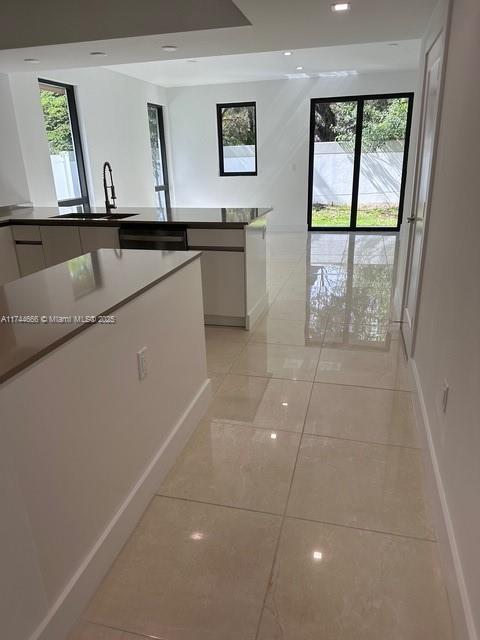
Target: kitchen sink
96 216
119 216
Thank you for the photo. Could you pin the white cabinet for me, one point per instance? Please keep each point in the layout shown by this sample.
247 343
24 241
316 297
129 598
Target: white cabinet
26 233
29 248
60 243
93 238
8 259
30 258
223 280
215 238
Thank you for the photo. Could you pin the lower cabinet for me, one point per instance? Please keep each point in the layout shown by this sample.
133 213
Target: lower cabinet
8 260
93 238
29 248
60 243
30 258
40 246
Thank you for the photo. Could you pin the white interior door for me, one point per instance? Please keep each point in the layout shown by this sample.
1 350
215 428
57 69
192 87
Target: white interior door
421 201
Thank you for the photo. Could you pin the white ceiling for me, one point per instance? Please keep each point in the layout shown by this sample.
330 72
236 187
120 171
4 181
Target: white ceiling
275 25
319 61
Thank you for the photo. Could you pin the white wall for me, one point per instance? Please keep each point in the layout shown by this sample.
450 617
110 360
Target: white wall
283 108
448 339
114 125
13 181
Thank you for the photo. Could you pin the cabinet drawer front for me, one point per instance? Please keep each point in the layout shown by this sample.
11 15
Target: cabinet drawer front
30 258
8 259
216 238
93 238
60 243
26 232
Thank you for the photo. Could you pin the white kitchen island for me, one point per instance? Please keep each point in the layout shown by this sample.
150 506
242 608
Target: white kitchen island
232 242
84 442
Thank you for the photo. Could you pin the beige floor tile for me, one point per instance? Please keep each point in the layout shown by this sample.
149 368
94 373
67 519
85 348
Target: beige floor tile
335 583
294 291
190 572
216 381
87 631
358 413
231 334
233 465
264 403
277 361
221 355
366 367
362 485
289 332
288 310
356 334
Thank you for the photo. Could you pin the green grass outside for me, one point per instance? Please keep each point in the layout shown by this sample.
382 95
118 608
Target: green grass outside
338 215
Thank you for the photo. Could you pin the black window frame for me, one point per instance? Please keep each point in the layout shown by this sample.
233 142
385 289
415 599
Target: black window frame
226 105
84 199
163 153
357 159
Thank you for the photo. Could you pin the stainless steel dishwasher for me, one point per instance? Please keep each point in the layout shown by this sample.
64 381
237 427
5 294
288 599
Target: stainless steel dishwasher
151 236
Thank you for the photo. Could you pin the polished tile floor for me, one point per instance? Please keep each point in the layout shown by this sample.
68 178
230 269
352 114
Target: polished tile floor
297 511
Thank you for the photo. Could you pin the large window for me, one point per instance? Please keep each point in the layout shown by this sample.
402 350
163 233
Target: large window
358 161
63 133
237 139
159 156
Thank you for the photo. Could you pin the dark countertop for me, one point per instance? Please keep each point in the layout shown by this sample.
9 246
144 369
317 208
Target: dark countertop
190 217
94 284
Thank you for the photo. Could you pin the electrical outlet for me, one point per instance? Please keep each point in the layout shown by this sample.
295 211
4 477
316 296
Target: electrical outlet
142 363
446 389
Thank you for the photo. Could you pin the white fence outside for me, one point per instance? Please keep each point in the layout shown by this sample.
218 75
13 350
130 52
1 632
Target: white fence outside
380 174
239 158
65 175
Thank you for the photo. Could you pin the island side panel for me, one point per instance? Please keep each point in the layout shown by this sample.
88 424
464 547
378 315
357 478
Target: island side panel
90 443
223 274
256 271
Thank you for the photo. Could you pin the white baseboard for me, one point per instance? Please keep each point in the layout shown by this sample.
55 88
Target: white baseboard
463 622
255 313
83 584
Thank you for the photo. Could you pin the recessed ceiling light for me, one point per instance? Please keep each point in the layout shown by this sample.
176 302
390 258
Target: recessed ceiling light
317 555
32 60
341 6
98 53
273 436
287 53
299 68
197 535
170 48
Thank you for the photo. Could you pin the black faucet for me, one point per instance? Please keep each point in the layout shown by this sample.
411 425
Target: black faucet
109 205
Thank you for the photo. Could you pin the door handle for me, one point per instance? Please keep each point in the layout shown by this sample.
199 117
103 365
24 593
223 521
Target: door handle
411 219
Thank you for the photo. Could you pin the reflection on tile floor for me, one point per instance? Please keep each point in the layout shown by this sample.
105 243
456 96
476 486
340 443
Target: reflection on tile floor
297 510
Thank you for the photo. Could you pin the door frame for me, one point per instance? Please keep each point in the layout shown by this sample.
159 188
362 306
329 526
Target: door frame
360 99
439 36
